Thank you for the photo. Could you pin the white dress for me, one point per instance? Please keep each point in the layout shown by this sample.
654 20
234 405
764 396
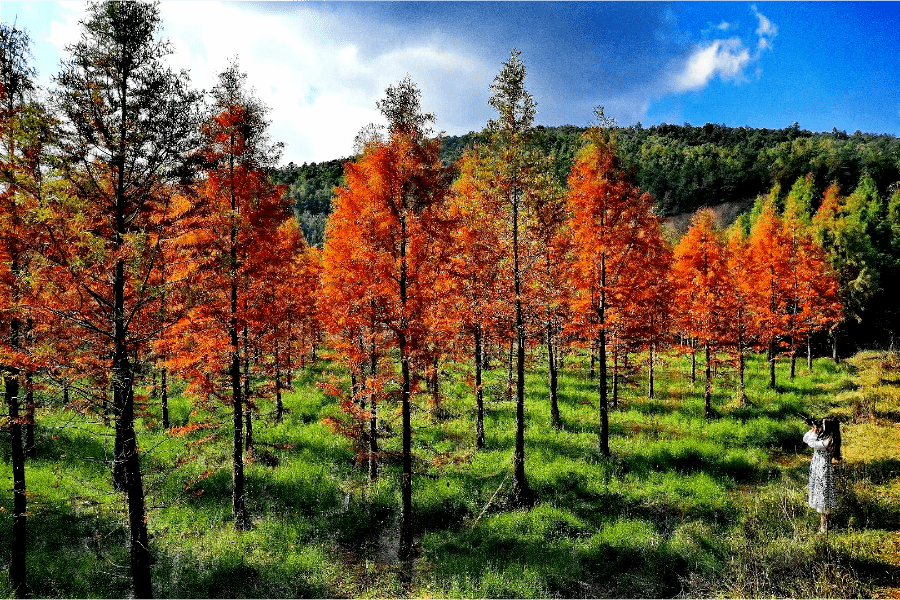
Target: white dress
822 496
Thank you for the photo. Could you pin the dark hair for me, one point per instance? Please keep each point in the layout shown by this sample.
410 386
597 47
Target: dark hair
831 428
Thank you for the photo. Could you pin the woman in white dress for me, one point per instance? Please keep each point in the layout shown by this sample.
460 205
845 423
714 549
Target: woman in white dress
825 439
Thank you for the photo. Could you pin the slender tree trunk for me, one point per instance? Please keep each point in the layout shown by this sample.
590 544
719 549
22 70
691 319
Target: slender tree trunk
615 376
139 540
479 393
593 372
793 365
30 409
834 348
650 392
406 516
248 421
809 351
510 369
248 405
741 388
707 396
435 384
771 357
604 401
601 348
373 408
164 397
127 461
279 403
18 547
522 494
693 343
238 499
552 379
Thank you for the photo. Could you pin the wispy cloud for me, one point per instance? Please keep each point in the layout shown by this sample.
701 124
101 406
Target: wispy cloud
766 30
727 58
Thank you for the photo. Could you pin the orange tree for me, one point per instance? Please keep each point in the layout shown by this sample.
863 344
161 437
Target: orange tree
383 245
22 124
768 274
741 322
613 228
703 290
225 252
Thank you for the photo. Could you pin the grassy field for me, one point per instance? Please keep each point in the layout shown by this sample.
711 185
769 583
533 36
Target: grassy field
685 506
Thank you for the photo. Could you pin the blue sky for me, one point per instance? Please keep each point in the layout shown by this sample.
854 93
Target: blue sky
320 67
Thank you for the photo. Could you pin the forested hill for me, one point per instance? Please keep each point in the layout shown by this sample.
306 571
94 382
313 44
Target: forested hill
684 167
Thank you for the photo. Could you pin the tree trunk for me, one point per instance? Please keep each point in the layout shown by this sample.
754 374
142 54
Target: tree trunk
279 403
248 420
650 392
479 393
405 551
834 348
793 365
164 397
522 494
18 547
509 364
707 396
593 371
552 377
30 409
809 351
615 376
238 500
137 523
248 406
373 419
604 405
741 389
693 343
771 357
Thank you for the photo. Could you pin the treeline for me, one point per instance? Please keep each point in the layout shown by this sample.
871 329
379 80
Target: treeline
310 188
687 167
683 167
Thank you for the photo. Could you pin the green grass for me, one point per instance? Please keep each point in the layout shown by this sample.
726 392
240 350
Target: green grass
685 505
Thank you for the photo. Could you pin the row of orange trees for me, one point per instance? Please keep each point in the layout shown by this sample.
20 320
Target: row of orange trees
422 264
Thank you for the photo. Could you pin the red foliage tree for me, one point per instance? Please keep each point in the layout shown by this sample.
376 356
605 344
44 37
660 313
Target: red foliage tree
382 246
769 278
613 227
703 290
227 251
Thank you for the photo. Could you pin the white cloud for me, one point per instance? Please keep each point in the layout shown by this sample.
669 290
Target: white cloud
310 70
766 27
65 30
725 58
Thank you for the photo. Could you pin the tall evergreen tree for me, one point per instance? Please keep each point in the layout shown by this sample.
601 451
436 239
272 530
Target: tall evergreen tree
16 88
128 132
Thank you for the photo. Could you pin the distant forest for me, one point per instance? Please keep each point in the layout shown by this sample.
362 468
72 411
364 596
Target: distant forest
684 167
